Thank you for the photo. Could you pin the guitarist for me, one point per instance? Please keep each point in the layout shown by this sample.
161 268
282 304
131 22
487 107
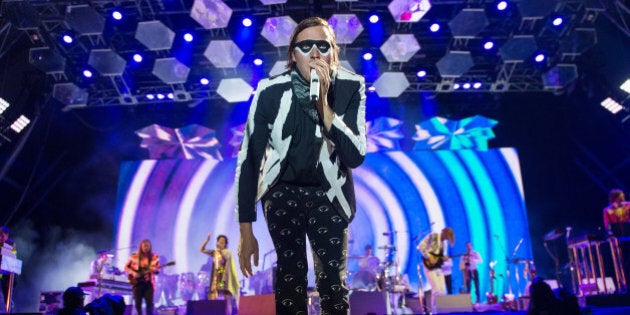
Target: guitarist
141 268
432 249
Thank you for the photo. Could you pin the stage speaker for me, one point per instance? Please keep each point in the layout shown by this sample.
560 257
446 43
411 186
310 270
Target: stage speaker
207 307
261 304
453 303
414 304
362 303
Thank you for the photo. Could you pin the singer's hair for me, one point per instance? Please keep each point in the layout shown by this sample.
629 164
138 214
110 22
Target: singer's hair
614 194
312 22
448 234
223 237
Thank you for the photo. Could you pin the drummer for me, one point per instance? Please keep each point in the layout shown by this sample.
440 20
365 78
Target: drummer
368 262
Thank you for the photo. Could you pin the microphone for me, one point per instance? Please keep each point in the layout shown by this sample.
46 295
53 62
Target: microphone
314 85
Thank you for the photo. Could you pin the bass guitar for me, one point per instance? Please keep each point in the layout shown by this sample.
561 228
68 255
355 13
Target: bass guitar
143 272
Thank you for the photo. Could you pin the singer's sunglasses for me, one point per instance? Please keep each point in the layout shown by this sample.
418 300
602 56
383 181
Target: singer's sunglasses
306 46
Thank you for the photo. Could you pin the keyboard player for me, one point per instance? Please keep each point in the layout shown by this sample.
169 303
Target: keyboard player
99 265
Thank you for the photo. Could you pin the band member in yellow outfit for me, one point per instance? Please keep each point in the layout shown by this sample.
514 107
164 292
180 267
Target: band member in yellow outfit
223 278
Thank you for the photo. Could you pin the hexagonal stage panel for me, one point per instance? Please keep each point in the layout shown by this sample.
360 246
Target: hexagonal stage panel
468 23
170 70
536 8
391 84
235 90
518 48
400 47
107 62
347 27
409 10
155 35
84 20
47 60
559 76
70 94
211 14
277 30
223 53
455 63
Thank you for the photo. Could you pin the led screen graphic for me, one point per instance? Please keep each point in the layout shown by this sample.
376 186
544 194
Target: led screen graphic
401 196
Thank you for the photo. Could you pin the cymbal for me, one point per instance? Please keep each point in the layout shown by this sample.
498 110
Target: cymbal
553 234
387 247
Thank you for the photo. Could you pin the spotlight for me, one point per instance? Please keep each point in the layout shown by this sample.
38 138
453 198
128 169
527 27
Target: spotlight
540 58
371 89
421 74
466 86
160 96
3 105
502 5
456 86
626 86
611 105
373 18
434 27
20 123
137 58
247 22
258 61
67 39
87 73
170 95
477 85
188 37
150 96
204 81
367 56
117 15
488 45
557 21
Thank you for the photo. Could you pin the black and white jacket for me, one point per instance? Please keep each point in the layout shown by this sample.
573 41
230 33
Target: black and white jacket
263 152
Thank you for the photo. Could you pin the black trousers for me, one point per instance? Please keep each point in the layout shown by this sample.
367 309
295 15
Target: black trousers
448 279
473 275
143 290
292 213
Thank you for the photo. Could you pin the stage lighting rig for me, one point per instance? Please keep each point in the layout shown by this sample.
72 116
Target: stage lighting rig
4 105
611 105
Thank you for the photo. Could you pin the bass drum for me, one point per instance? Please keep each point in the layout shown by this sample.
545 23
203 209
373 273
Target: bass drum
363 281
203 285
187 283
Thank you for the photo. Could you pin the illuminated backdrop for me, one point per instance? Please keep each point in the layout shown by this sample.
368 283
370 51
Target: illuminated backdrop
175 203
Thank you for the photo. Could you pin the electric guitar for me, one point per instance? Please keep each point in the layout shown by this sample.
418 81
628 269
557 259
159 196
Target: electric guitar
436 261
144 272
492 298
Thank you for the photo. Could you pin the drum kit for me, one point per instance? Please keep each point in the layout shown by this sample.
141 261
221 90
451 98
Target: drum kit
185 286
374 275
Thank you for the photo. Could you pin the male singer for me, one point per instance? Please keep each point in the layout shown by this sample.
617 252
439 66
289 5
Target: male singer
304 133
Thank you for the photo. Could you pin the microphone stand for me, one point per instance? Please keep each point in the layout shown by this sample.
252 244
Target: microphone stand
509 296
